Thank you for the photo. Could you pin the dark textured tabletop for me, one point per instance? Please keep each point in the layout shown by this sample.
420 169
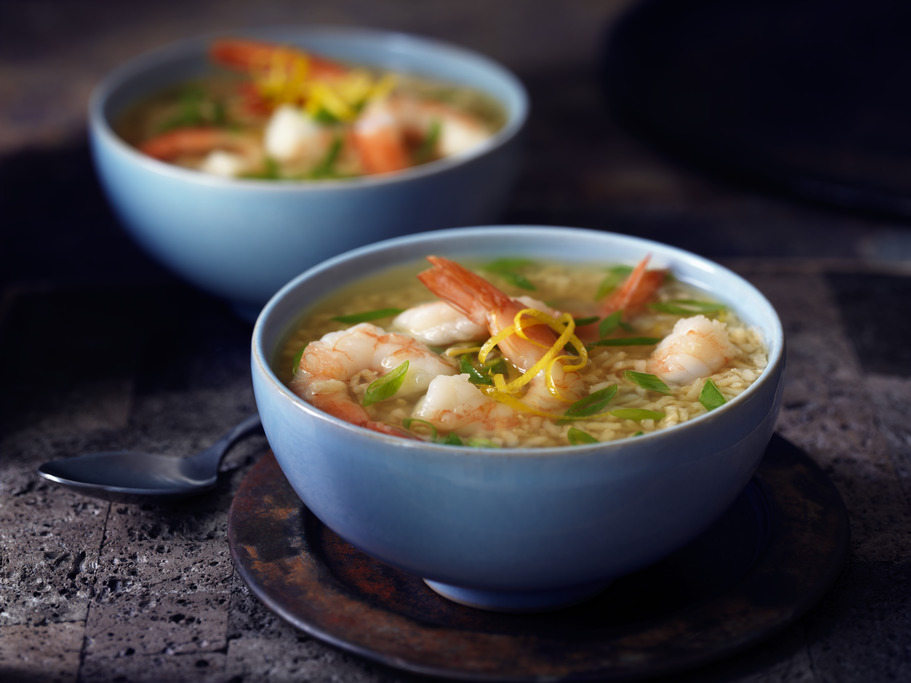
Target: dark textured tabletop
100 348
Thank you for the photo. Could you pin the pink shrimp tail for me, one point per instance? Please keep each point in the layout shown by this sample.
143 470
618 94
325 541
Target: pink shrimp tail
465 291
637 290
253 55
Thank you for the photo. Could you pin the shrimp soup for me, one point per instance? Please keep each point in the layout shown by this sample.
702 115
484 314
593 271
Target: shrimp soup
273 112
516 353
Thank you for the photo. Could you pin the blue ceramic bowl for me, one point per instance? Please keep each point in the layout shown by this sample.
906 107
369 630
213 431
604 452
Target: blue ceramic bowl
521 529
243 239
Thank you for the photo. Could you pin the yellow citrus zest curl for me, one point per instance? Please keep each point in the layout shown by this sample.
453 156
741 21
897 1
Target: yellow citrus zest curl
286 80
505 391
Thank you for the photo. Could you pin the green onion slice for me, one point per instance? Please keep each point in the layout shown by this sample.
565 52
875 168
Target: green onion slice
710 396
610 323
687 307
421 428
577 437
582 322
627 341
636 414
590 405
297 359
612 280
367 315
508 269
386 386
428 146
648 381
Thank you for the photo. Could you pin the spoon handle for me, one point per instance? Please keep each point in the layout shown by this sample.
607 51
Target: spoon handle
211 457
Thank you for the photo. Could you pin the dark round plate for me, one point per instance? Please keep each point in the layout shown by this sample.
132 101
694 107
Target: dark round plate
801 96
769 558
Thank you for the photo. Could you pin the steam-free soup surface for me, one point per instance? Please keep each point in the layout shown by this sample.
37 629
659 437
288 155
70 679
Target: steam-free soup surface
276 112
522 363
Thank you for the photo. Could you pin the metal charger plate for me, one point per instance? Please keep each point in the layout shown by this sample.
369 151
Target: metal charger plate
760 567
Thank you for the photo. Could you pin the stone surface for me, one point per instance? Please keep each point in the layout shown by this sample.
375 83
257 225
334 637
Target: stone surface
101 349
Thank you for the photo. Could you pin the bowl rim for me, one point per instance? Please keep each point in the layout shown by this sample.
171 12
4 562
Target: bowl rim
392 40
261 357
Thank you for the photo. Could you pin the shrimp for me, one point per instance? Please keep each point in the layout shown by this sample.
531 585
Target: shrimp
292 135
440 324
252 56
391 130
238 152
536 351
453 404
328 366
629 297
696 347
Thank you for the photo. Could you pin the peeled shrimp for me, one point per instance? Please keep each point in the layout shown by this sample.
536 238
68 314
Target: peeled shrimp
630 296
453 404
292 135
486 305
696 347
438 323
328 365
636 291
254 56
391 128
223 152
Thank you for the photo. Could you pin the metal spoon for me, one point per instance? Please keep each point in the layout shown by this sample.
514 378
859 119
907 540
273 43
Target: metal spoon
128 475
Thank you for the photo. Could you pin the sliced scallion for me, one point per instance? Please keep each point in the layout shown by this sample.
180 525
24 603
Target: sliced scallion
366 316
610 323
648 381
590 405
637 414
577 437
711 397
627 341
386 386
612 280
687 307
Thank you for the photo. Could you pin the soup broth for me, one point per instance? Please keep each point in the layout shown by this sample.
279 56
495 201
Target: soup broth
622 389
273 112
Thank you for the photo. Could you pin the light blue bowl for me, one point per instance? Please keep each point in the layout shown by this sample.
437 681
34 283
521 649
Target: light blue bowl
243 239
523 529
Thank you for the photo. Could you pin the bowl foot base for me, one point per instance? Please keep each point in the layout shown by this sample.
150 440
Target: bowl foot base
517 601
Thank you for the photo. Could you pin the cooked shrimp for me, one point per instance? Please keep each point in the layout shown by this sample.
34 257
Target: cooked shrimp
696 347
440 324
292 135
636 291
631 296
254 56
240 152
328 366
453 404
536 349
391 130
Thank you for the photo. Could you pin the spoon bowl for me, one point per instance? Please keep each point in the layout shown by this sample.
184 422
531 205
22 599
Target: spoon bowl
127 475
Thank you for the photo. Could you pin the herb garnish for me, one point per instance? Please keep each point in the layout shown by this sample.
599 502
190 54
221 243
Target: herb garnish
590 405
366 316
508 269
577 437
711 397
386 386
648 381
